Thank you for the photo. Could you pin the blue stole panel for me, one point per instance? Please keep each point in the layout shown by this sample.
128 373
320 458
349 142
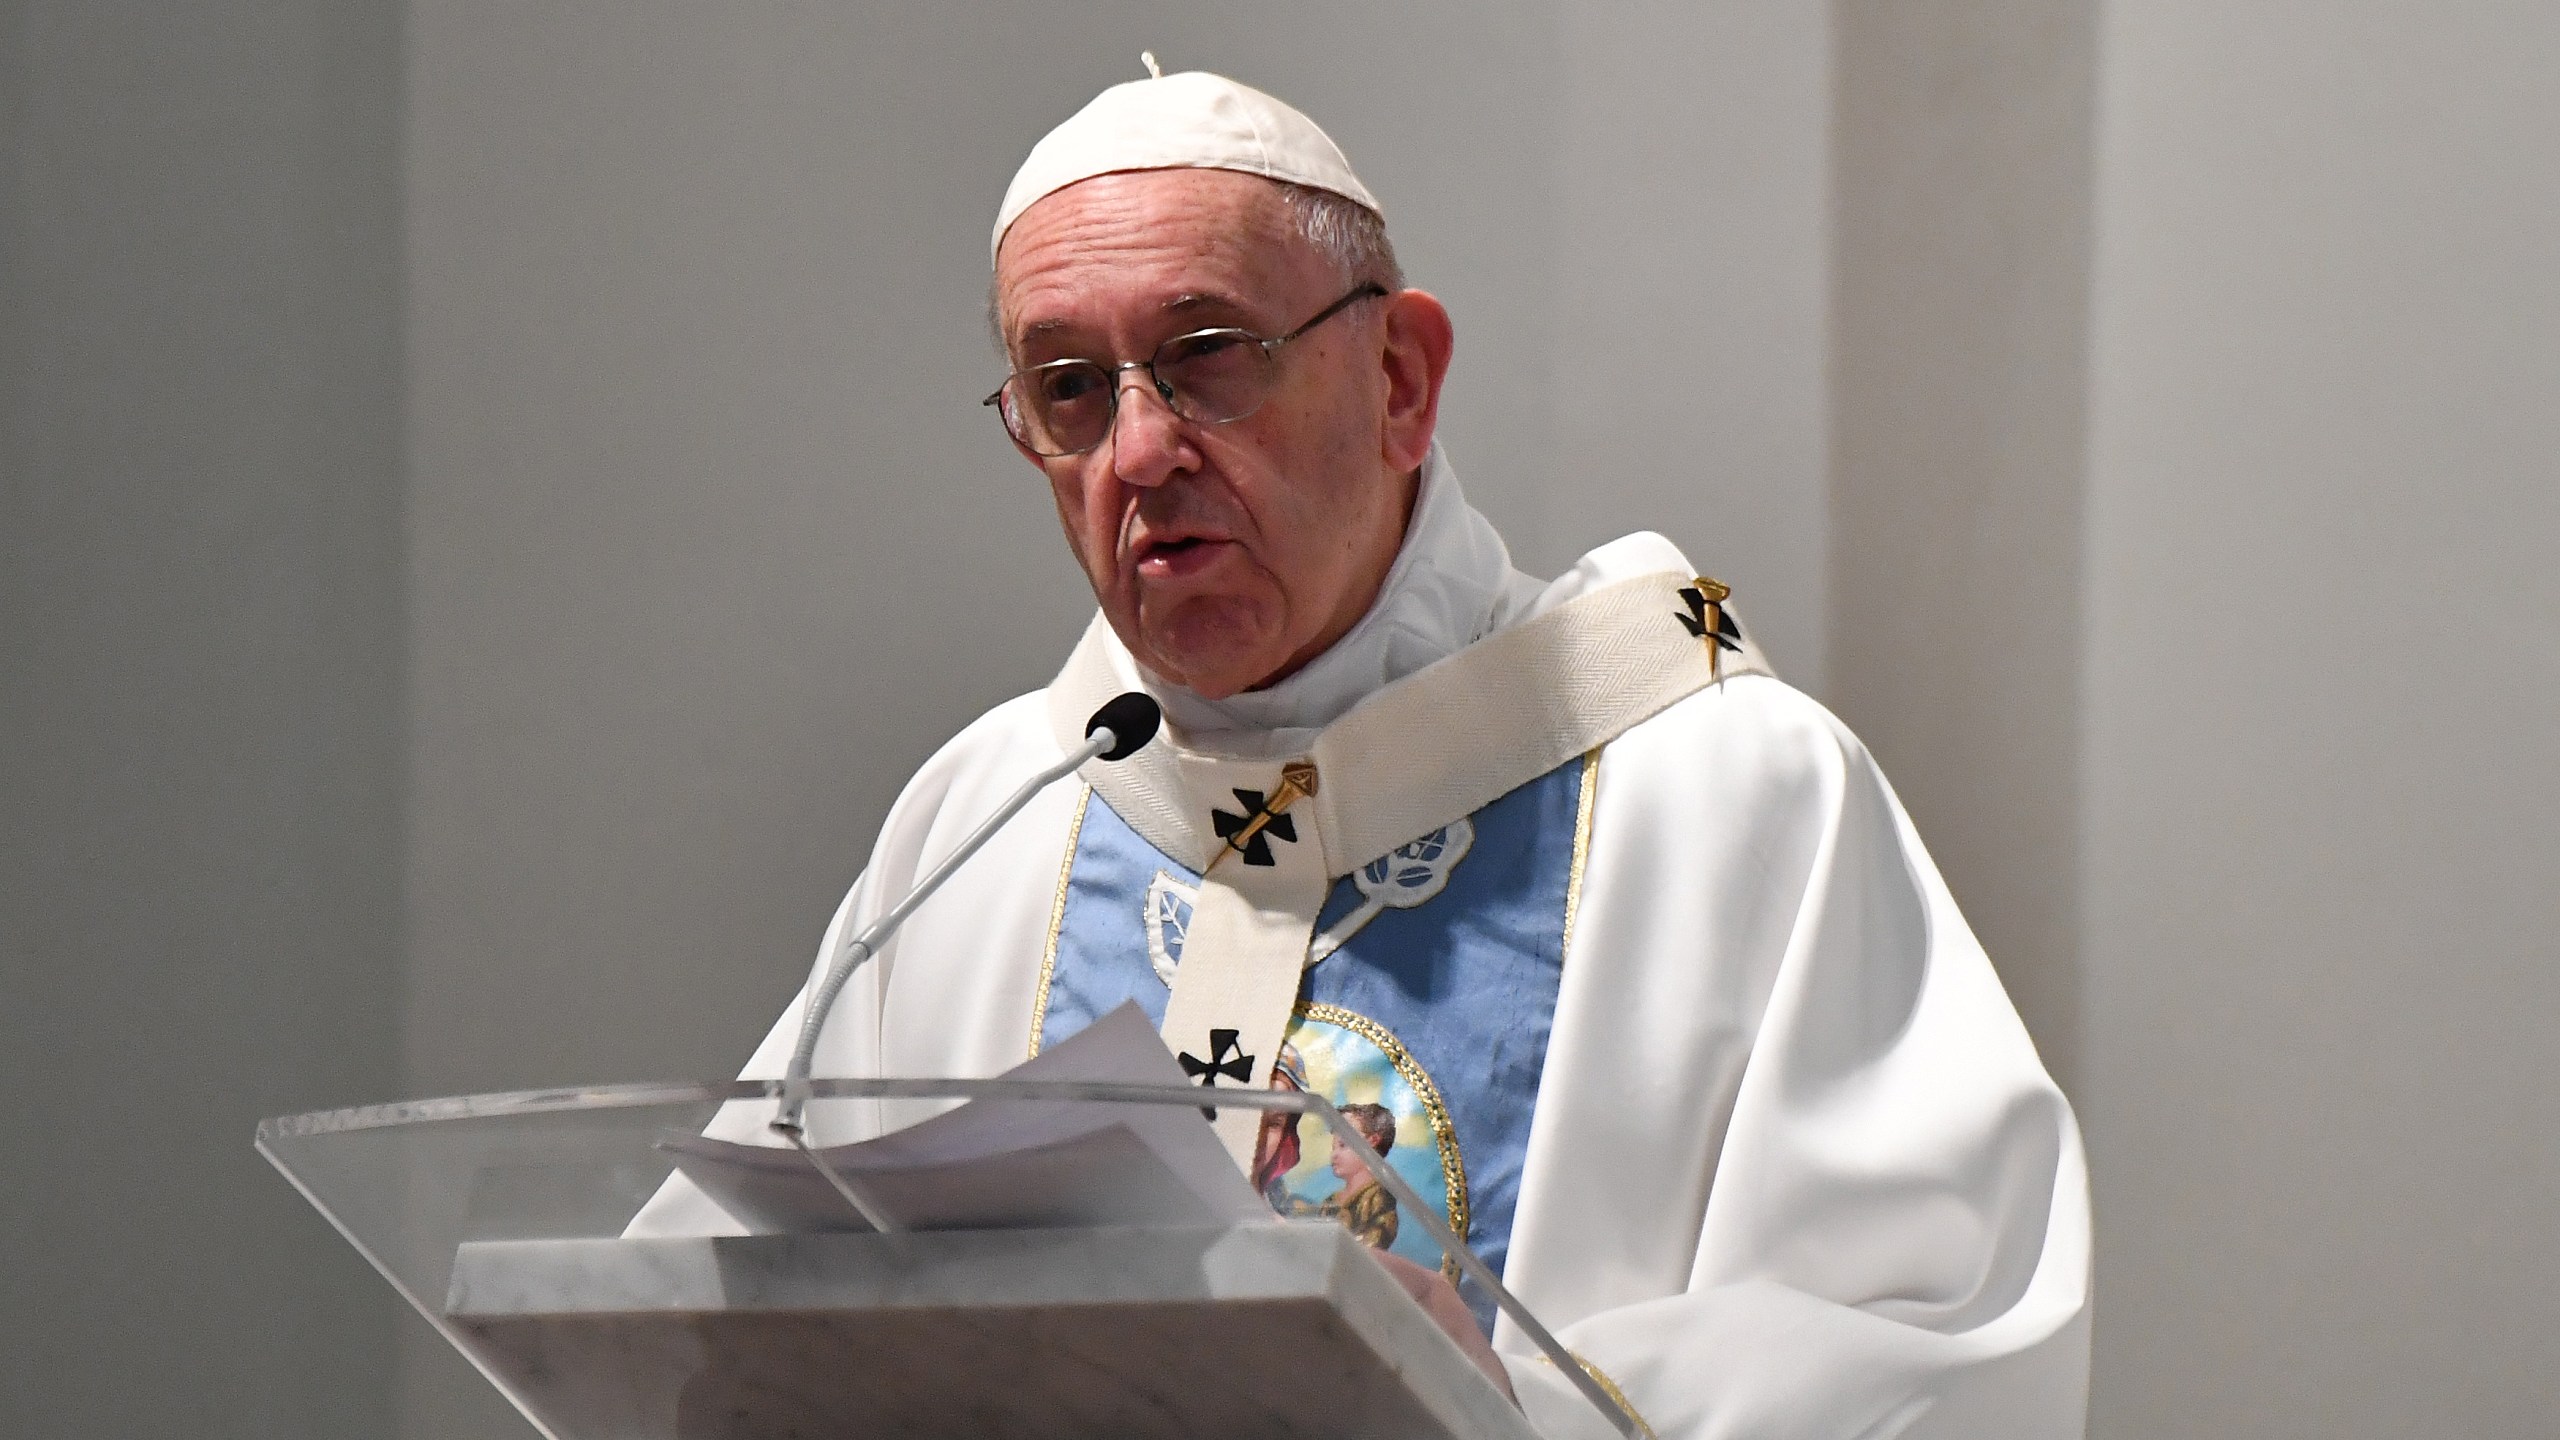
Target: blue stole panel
1426 1020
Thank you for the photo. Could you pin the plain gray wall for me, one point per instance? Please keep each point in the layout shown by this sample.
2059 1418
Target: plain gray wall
200 680
495 504
2321 640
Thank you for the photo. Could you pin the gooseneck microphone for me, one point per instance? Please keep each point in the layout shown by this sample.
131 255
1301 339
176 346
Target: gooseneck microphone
1130 718
1120 729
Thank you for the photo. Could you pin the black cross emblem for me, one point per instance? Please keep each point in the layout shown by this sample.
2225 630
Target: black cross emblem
1257 842
1239 1069
1722 631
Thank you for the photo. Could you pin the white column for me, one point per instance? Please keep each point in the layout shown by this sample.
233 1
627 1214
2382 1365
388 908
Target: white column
1960 305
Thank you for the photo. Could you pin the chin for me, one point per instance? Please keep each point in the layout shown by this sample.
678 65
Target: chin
1212 657
1210 682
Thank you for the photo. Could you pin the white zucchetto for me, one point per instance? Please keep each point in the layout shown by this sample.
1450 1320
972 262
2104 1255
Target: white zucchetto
1190 121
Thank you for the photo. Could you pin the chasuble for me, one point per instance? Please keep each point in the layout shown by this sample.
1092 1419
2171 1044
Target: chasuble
1623 948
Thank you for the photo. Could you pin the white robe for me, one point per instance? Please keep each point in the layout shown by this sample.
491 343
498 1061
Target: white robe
1795 1168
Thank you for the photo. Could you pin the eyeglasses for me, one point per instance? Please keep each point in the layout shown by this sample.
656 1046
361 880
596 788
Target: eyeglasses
1208 377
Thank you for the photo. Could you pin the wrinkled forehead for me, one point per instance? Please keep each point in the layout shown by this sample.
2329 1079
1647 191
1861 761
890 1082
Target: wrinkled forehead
1098 259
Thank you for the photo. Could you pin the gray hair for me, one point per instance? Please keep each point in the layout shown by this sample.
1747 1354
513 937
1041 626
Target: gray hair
1346 232
1349 235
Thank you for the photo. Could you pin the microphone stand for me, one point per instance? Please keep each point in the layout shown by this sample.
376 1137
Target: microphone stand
1133 715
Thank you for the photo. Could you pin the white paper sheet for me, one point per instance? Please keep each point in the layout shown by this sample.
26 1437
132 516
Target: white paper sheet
993 1164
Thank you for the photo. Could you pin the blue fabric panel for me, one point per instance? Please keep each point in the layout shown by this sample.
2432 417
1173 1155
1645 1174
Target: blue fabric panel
1457 967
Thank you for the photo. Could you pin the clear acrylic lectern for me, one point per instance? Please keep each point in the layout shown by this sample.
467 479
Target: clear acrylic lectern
507 1221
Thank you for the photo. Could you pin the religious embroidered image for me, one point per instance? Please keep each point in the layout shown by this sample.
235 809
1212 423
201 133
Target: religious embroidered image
1365 1208
1303 1173
1168 919
1401 879
1279 1148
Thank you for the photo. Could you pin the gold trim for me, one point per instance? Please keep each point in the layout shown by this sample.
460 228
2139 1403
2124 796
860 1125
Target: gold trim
1713 594
1601 1378
1057 921
1581 848
1453 1166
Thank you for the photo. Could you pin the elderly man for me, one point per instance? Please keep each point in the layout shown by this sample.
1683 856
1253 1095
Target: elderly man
1628 940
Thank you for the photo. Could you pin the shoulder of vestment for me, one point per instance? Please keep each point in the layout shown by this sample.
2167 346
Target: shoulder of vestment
983 763
1749 745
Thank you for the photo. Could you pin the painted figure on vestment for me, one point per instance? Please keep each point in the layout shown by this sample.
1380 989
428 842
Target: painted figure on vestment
1364 1206
1276 1150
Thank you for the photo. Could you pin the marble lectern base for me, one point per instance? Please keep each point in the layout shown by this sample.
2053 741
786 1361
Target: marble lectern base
1278 1331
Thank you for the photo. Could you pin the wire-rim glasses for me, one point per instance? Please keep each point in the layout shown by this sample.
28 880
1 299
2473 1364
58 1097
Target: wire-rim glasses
1208 377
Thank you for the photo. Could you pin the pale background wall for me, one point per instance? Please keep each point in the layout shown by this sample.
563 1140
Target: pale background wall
495 504
200 682
2321 671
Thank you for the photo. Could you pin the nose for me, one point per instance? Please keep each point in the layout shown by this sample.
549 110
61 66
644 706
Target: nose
1148 443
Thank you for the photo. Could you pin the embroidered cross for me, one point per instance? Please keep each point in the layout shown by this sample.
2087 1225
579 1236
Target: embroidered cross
1717 629
1251 833
1238 1069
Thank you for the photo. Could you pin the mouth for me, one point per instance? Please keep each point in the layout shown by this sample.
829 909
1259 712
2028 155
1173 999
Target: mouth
1175 556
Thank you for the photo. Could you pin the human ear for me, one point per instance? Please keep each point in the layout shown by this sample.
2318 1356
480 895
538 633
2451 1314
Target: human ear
1419 342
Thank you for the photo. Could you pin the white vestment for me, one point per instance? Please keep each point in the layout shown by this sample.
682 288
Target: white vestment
1794 1168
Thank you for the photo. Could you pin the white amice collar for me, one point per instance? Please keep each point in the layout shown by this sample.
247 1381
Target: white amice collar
1612 642
1452 584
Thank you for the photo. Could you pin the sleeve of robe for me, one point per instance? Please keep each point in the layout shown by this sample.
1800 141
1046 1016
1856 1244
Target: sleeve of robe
1835 1192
